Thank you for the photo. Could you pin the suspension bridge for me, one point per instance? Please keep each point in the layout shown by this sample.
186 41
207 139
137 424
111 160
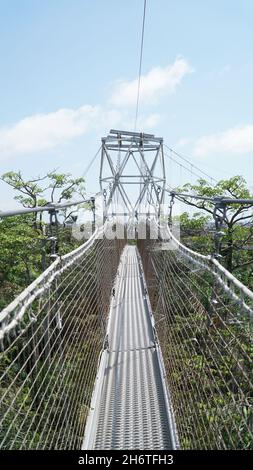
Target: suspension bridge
132 340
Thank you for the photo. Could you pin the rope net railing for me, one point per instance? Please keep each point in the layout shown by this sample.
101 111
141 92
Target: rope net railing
51 338
204 324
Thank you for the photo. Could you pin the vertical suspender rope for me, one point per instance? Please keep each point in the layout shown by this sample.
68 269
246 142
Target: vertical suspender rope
140 66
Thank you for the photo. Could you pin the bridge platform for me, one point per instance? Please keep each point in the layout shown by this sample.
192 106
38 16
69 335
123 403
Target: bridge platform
130 407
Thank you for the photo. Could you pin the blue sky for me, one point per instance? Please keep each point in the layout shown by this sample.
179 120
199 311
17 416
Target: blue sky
68 74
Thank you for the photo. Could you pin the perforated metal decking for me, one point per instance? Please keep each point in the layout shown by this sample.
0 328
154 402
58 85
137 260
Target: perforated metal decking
130 408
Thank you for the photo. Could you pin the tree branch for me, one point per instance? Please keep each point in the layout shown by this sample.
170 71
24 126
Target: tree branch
246 263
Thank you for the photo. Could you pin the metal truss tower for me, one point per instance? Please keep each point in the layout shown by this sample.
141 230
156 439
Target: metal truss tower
132 174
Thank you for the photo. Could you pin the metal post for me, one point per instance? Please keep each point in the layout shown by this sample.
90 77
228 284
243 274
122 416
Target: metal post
172 201
93 208
43 254
219 219
53 238
104 208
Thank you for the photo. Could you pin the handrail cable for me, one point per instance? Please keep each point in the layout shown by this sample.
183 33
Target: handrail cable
211 178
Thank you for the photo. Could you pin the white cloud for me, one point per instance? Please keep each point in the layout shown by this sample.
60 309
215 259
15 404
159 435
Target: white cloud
149 122
44 131
156 82
235 141
183 142
146 122
41 132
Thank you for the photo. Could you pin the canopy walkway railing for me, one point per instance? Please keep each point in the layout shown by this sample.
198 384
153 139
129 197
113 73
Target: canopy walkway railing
204 322
53 333
51 336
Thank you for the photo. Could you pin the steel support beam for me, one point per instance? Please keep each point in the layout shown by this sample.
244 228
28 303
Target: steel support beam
150 170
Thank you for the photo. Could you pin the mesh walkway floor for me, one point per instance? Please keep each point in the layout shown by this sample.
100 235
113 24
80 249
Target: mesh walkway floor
130 407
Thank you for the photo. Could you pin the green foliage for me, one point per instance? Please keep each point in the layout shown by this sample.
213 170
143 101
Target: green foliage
48 368
207 351
20 256
53 187
234 187
237 241
68 185
195 233
30 190
197 222
24 249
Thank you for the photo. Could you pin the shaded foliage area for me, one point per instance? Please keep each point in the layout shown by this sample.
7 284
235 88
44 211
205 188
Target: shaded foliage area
207 344
25 244
237 231
20 256
49 361
26 252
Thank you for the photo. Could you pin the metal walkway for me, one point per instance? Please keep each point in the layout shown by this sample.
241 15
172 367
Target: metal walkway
130 408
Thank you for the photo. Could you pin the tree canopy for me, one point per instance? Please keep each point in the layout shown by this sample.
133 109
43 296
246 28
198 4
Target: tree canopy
237 242
25 247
